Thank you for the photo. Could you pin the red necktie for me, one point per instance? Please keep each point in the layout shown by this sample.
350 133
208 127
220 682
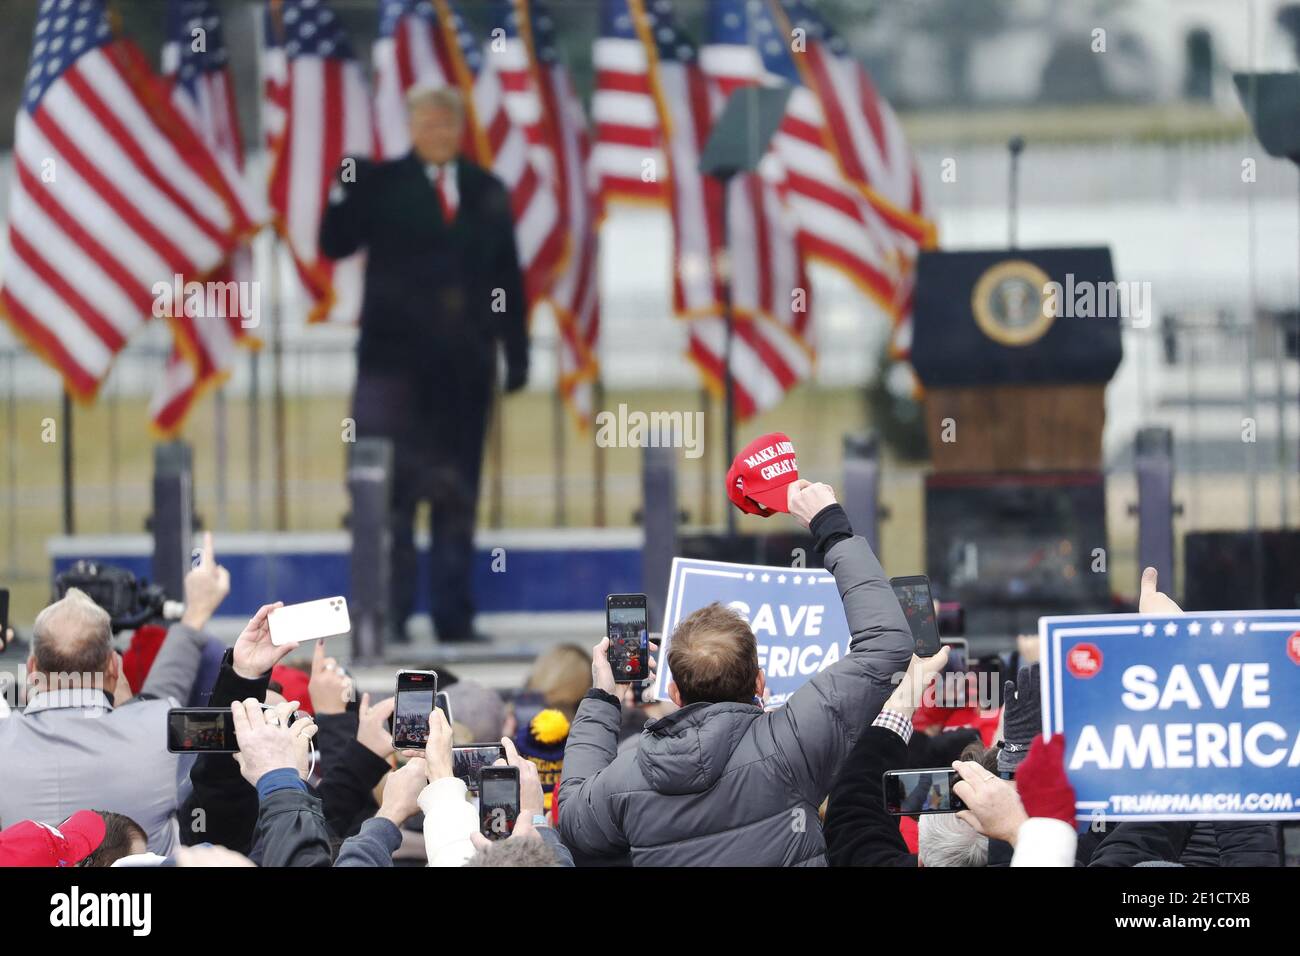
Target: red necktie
448 213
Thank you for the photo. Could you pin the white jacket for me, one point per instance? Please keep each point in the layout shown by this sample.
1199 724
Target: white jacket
449 819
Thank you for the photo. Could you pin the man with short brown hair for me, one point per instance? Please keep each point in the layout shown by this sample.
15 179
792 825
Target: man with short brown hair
714 656
721 781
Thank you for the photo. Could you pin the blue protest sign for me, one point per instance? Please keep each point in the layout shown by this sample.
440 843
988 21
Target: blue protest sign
795 614
1192 716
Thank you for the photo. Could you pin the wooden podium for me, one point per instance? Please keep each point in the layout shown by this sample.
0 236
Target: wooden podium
1016 427
1015 383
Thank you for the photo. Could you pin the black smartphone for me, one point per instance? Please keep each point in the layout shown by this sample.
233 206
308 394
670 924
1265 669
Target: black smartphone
201 730
468 761
908 792
498 801
628 627
415 694
4 616
913 593
443 703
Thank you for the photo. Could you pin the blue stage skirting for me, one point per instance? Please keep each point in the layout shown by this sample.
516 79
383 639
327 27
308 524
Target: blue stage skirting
567 570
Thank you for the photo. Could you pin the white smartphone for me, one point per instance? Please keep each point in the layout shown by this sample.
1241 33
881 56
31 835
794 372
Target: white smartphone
310 621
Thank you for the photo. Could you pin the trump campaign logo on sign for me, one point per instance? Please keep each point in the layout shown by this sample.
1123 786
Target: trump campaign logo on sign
1191 716
795 613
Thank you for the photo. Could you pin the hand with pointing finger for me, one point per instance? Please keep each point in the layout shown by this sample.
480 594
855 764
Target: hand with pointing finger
1153 601
206 586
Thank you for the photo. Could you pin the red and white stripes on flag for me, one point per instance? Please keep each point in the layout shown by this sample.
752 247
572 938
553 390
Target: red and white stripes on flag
836 226
628 156
870 147
326 120
427 44
112 192
542 101
204 346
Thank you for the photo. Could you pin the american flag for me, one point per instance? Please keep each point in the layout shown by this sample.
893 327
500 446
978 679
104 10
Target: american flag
112 193
274 105
428 43
196 63
326 120
542 101
628 157
837 226
870 146
770 290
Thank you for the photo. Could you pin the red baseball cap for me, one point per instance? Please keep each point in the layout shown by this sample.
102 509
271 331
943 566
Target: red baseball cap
757 479
29 843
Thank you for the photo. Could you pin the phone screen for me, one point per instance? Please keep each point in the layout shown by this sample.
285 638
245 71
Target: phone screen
201 730
443 703
467 762
4 613
921 791
498 801
918 607
629 637
415 694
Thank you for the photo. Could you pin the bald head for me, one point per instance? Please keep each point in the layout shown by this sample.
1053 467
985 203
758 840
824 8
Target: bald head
72 636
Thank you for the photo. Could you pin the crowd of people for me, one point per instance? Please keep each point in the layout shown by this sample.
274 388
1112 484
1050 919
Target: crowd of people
711 777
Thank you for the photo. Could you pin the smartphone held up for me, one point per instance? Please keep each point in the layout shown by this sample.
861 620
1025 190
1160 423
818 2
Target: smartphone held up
913 593
628 627
414 700
498 801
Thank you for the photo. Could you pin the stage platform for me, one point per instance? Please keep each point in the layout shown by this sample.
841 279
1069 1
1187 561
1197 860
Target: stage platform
549 589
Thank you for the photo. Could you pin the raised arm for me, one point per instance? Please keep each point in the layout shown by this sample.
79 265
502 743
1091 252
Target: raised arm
176 667
823 720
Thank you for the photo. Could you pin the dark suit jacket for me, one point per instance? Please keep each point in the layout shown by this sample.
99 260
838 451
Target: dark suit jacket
438 297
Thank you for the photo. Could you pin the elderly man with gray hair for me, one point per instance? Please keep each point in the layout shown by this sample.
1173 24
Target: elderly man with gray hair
84 740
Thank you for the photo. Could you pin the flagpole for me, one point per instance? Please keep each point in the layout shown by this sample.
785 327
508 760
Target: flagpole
69 515
281 506
706 481
277 393
598 459
557 442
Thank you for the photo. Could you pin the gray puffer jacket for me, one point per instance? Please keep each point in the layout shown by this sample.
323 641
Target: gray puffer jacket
729 784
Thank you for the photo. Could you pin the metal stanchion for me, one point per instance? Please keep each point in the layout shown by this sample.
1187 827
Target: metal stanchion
659 517
1153 462
370 479
172 520
862 487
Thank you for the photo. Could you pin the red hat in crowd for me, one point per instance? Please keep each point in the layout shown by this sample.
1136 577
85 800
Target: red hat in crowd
294 686
38 844
757 479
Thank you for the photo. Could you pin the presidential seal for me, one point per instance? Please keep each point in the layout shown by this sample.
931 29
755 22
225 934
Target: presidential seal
1010 303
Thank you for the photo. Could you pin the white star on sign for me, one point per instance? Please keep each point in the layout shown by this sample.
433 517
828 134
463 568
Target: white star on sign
1239 627
798 579
765 578
749 576
1148 629
1194 628
780 579
1171 629
1216 627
